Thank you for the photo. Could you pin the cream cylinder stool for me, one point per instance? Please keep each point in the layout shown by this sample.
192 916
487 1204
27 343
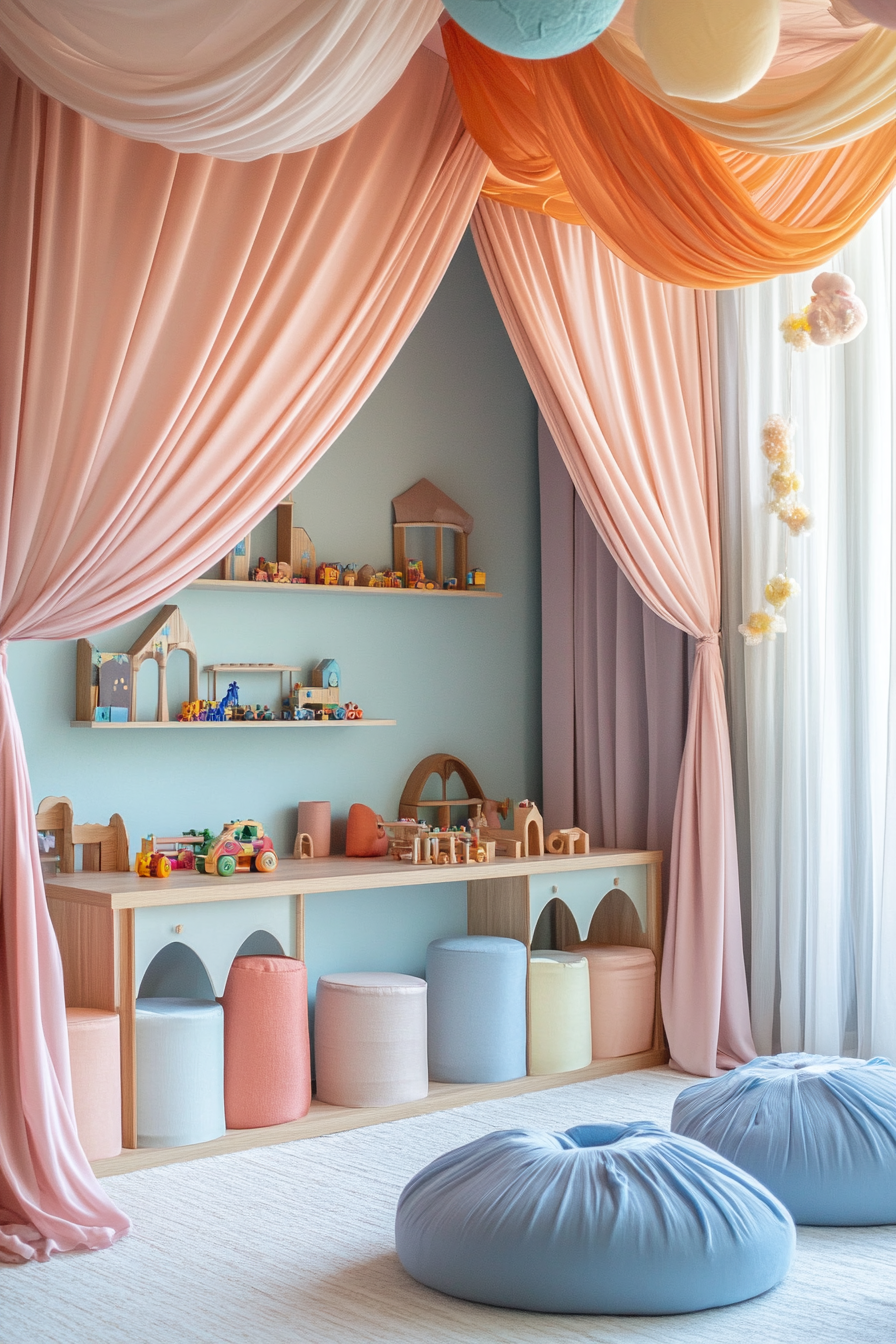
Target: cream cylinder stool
180 1072
370 1039
94 1047
559 1012
623 998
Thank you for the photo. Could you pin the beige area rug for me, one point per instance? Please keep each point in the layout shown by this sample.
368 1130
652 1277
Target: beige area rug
295 1243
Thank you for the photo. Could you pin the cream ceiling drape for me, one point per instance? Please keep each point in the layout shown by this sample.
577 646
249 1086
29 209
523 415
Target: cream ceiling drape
850 95
220 77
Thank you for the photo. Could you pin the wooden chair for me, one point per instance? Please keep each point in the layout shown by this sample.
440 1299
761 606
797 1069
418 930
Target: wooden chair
90 982
104 849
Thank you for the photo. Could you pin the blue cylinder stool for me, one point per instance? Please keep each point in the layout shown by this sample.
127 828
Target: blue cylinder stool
477 1009
180 1072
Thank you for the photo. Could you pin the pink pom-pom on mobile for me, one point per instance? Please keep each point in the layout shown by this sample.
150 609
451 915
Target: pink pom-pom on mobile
835 314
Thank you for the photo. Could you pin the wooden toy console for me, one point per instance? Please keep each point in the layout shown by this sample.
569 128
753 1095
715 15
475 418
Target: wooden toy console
111 925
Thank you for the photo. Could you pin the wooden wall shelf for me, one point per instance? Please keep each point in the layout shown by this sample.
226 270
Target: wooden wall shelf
249 585
230 724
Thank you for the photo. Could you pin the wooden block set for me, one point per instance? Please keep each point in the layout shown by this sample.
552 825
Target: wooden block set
414 842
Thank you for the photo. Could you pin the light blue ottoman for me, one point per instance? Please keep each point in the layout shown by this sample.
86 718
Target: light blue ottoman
180 1072
818 1131
604 1219
477 1009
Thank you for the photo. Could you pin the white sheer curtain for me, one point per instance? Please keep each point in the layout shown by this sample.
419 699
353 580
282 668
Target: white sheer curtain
814 715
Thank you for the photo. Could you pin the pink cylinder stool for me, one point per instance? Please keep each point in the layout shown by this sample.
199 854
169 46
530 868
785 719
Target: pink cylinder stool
370 1039
94 1047
314 820
623 998
267 1054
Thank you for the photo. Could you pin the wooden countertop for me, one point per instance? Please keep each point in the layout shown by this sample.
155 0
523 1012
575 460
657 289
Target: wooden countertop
125 891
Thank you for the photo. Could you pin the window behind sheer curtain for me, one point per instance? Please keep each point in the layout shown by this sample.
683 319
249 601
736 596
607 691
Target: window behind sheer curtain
813 715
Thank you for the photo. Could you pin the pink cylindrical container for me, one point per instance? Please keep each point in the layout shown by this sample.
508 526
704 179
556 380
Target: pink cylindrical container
314 820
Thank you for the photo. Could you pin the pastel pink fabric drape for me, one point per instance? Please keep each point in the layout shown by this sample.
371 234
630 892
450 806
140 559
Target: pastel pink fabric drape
180 340
623 370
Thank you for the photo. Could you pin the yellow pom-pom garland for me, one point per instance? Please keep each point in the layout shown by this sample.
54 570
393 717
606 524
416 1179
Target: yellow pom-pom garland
785 481
777 439
779 589
797 518
761 625
796 330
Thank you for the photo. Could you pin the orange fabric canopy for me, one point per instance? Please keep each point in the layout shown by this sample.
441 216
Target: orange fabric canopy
573 139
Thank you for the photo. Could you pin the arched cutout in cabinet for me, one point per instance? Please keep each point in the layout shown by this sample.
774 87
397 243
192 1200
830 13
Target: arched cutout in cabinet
617 921
261 944
176 972
555 928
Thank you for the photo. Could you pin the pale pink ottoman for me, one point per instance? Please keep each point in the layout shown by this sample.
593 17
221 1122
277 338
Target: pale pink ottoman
94 1047
623 998
370 1039
267 1054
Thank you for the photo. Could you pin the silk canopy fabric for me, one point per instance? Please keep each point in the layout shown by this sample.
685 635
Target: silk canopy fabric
623 371
180 340
810 32
571 138
850 95
217 76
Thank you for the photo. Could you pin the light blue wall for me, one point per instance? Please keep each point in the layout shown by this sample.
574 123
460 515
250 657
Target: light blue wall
458 675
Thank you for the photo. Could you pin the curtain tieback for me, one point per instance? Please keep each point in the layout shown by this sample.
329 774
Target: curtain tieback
714 638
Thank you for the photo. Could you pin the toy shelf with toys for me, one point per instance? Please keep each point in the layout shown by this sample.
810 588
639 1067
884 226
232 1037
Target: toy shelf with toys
424 509
237 585
333 724
106 688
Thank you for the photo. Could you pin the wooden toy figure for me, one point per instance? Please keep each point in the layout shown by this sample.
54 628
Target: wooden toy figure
568 840
162 637
426 506
235 565
294 546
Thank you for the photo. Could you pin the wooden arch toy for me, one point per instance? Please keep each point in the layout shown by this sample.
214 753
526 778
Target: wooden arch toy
444 766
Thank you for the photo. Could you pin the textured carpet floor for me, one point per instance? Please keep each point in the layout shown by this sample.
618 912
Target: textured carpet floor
295 1243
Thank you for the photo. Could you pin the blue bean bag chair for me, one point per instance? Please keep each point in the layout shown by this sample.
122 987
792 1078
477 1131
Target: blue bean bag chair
818 1131
619 1219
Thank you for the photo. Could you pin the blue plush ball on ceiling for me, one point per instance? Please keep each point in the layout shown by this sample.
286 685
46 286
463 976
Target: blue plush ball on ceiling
536 29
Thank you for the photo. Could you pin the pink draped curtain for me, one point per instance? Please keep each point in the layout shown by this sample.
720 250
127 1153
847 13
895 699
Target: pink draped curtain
623 370
180 340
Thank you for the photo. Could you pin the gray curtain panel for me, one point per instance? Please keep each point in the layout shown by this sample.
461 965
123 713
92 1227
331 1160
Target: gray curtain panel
614 683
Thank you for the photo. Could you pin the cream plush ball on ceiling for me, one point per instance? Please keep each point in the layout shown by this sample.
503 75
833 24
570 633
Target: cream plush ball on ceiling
707 50
536 29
